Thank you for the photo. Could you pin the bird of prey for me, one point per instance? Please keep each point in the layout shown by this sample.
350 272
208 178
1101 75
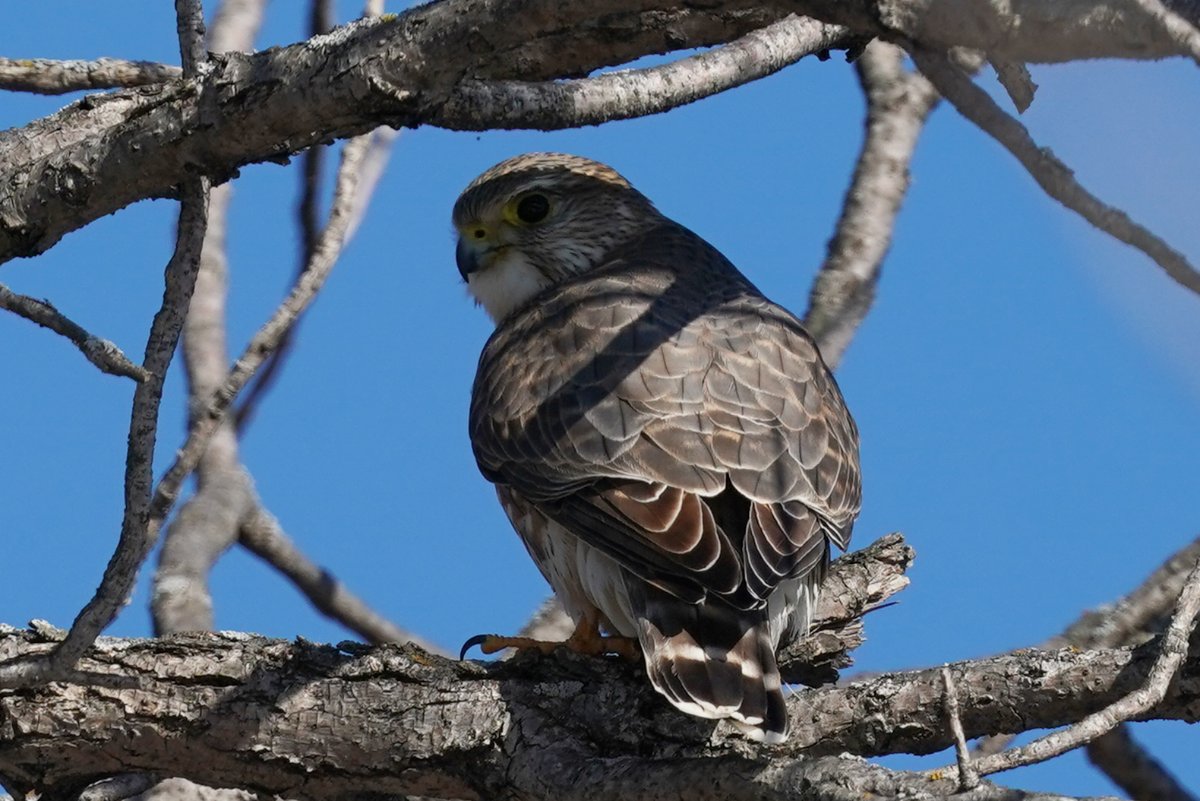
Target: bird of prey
667 442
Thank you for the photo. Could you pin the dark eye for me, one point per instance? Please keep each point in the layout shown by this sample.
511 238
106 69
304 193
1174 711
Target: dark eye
533 208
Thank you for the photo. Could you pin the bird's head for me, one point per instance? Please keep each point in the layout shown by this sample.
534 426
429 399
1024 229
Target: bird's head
538 219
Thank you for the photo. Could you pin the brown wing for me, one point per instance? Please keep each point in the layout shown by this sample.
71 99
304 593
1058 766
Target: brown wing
680 422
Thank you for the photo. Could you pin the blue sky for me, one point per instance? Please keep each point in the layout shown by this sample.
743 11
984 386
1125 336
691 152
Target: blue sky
1027 389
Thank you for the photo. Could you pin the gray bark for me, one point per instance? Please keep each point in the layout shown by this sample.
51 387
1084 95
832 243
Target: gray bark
107 151
325 722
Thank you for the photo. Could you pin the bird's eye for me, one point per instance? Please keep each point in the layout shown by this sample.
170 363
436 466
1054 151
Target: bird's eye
533 208
479 233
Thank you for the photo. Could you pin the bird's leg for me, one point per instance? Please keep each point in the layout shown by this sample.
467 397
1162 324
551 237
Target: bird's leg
586 639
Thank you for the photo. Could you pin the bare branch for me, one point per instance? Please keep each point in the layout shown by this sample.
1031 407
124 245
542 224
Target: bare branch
262 536
321 21
207 524
137 531
109 151
1174 649
1120 757
1129 621
856 584
482 105
898 103
1050 173
1132 619
267 339
373 164
46 76
968 778
136 538
100 352
293 718
235 25
1017 81
1181 31
189 25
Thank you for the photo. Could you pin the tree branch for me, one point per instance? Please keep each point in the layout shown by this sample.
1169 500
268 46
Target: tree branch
208 523
1129 767
136 539
109 151
898 103
46 76
1181 30
1173 650
1132 620
262 536
484 105
300 719
1051 174
137 531
100 352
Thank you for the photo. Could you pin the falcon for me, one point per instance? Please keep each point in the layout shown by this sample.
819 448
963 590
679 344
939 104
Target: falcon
668 443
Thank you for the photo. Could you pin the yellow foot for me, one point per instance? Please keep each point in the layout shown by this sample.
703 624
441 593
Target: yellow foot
585 640
494 643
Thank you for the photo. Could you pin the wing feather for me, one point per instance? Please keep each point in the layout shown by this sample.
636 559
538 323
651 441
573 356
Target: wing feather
626 400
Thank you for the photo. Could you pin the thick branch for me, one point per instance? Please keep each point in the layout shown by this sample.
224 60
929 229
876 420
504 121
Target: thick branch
298 719
103 153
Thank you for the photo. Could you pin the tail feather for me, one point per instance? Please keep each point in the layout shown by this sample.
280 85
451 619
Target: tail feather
732 675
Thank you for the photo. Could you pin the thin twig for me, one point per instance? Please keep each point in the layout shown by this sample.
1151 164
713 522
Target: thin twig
308 218
46 76
370 172
1045 168
1129 621
137 533
136 537
100 352
1180 30
898 103
1174 649
638 92
968 779
207 525
1132 769
267 339
262 535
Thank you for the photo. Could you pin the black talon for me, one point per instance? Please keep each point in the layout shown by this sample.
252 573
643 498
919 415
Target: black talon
478 639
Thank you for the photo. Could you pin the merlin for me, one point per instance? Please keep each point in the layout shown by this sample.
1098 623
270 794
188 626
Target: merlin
668 443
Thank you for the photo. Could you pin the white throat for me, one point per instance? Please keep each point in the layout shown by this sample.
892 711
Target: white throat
507 284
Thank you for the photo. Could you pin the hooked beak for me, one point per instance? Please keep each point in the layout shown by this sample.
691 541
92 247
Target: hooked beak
467 257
